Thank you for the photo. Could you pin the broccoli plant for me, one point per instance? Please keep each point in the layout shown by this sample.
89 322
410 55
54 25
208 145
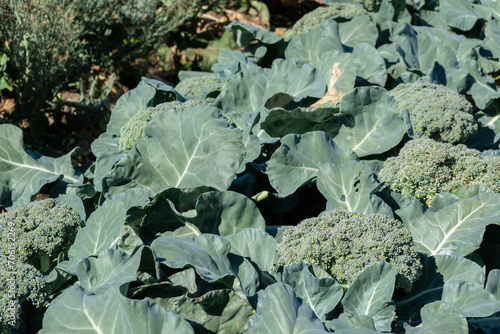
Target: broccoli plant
425 168
43 229
436 111
198 87
133 130
20 284
336 11
344 243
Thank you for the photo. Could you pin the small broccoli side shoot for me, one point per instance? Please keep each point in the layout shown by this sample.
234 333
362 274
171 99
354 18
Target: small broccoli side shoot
29 286
42 229
340 12
133 130
344 243
436 111
198 87
425 168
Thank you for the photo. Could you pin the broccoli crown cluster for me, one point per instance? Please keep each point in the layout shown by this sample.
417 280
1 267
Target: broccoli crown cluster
198 87
436 111
336 11
344 243
42 230
28 285
133 130
425 168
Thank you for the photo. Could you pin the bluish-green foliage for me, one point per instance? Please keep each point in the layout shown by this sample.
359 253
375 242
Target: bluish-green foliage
198 87
133 130
344 243
425 168
436 111
336 11
29 287
43 229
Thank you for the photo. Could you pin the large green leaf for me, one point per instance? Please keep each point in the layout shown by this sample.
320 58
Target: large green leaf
264 256
110 268
216 212
358 30
322 293
23 174
458 14
307 46
471 298
148 93
440 318
371 67
371 291
280 312
339 70
455 229
351 186
182 149
102 231
456 268
281 122
216 311
370 121
255 88
210 256
78 311
299 158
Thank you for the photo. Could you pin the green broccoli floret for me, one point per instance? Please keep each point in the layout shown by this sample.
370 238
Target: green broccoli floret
20 284
198 87
37 233
344 243
133 130
340 12
425 168
436 111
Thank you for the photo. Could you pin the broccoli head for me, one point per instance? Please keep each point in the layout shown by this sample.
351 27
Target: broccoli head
198 87
436 111
344 243
133 130
425 168
20 284
336 11
37 233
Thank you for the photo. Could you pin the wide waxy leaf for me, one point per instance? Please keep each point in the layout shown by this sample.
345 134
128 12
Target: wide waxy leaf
101 231
351 186
23 174
265 256
371 290
322 293
456 268
148 93
358 30
370 122
110 268
440 318
471 298
255 88
281 122
458 14
307 46
299 158
182 149
210 256
455 229
217 311
78 311
280 312
216 212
